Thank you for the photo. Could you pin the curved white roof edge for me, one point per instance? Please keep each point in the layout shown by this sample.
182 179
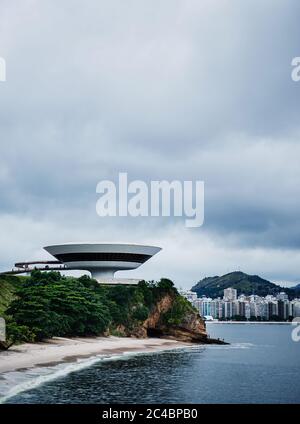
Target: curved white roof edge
103 243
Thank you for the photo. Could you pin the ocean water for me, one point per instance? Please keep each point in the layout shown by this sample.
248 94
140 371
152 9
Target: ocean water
261 365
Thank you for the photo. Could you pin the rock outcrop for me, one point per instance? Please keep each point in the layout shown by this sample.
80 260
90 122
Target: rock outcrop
191 329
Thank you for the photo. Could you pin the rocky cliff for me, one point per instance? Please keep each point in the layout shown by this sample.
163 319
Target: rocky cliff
190 329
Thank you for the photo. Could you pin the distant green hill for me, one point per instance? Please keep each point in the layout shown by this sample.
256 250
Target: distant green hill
296 289
243 283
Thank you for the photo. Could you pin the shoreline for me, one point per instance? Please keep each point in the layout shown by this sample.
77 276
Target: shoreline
65 350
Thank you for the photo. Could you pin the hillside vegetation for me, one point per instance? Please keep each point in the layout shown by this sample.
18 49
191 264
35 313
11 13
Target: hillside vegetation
243 283
49 304
8 287
296 289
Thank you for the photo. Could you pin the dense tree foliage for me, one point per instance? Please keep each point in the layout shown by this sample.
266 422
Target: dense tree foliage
8 286
48 304
52 305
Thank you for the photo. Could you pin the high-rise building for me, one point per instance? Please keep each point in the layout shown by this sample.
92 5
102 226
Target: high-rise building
253 309
206 302
235 308
265 311
242 309
247 310
296 308
282 296
281 309
189 295
230 294
227 309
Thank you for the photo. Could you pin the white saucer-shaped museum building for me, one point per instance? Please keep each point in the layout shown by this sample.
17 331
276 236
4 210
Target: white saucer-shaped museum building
102 260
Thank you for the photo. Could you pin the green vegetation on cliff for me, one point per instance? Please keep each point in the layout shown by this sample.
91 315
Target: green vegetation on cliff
48 304
176 314
244 283
8 287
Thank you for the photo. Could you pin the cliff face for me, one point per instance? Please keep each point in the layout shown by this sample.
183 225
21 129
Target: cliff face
191 328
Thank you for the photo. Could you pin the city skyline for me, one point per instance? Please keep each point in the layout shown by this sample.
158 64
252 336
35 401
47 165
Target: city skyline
232 306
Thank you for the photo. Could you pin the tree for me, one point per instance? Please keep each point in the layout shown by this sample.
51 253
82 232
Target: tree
52 305
165 284
140 313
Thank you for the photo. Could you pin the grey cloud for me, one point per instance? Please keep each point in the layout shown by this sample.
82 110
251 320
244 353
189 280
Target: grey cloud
179 90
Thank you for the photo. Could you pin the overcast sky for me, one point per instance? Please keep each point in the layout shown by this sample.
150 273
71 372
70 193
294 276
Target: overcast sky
197 89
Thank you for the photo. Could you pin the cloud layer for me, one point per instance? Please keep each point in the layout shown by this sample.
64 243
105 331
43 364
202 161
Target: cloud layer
175 90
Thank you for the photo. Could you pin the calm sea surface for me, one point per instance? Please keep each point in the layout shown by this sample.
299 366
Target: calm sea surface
262 365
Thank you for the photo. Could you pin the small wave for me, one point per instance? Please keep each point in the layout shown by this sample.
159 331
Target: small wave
45 375
17 382
224 347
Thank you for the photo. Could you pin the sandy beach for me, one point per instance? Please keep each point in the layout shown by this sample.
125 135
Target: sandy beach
59 350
